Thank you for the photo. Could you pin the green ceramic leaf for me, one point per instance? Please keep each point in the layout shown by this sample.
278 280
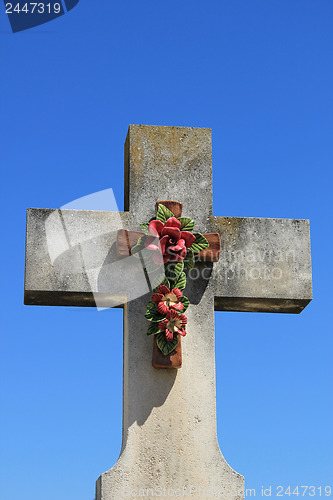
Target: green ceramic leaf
187 224
156 281
144 226
163 213
135 250
138 246
169 271
200 243
184 300
173 270
166 346
180 282
157 318
189 259
151 309
154 316
153 329
179 267
150 305
164 282
141 241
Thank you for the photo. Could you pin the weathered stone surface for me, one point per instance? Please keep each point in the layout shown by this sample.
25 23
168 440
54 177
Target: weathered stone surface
69 257
265 265
169 163
169 421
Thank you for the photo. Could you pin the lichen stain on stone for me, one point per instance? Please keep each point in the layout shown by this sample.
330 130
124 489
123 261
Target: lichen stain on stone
298 224
137 161
227 226
167 146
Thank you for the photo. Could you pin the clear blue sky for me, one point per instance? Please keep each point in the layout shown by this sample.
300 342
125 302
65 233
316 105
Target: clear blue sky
259 73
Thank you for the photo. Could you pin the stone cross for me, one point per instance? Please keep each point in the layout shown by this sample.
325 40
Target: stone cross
169 442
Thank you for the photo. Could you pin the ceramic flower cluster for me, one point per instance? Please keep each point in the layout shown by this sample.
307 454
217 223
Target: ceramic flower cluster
172 243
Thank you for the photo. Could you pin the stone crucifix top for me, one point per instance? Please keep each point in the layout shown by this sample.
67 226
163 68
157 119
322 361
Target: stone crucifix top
169 416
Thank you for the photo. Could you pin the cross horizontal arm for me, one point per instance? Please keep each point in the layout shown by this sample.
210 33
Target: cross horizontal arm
71 259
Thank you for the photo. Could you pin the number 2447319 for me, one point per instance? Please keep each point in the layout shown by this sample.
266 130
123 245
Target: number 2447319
32 7
304 490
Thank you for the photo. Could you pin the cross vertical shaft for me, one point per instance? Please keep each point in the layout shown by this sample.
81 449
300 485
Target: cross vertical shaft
169 421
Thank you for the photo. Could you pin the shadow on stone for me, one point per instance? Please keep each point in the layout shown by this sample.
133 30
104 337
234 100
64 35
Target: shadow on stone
197 281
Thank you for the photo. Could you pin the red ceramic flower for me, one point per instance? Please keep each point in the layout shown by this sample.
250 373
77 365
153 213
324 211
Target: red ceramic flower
167 299
173 324
172 243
